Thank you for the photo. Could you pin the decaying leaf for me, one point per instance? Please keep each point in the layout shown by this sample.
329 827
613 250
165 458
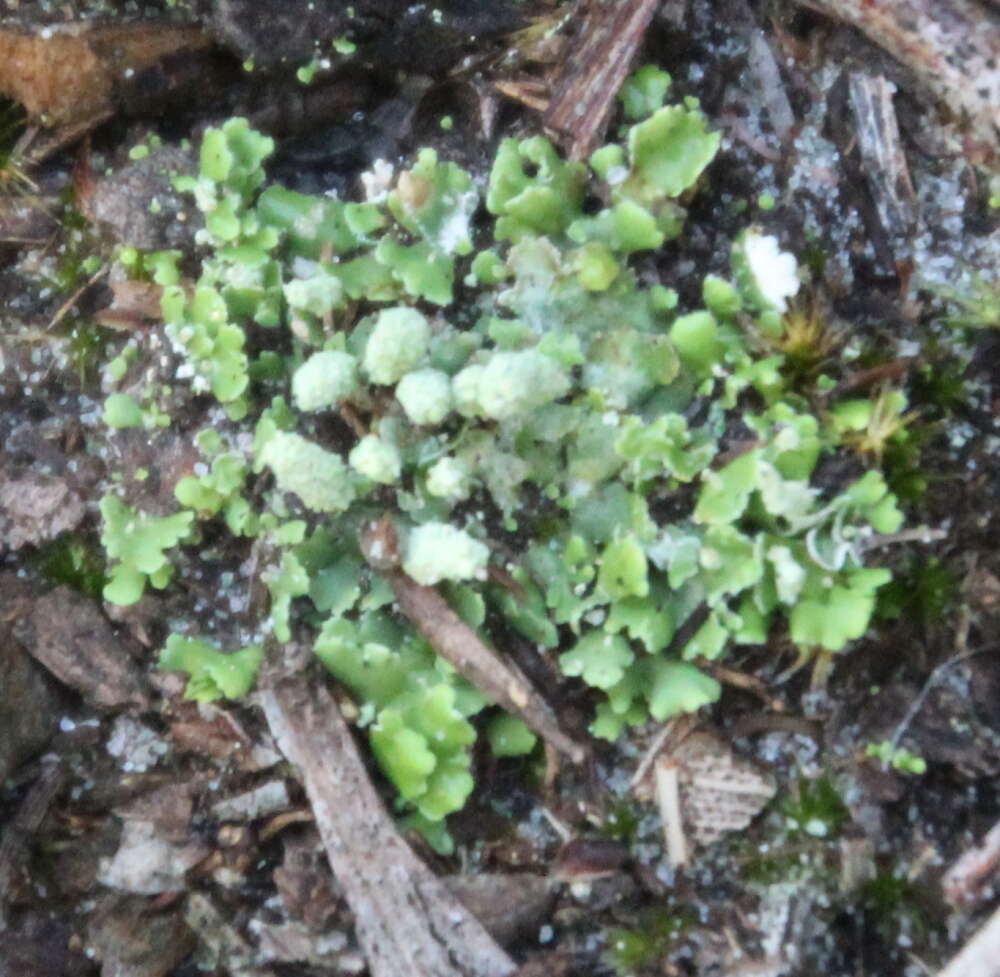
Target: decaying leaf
67 74
718 791
134 305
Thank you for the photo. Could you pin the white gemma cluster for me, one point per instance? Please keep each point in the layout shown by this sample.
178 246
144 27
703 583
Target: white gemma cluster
509 384
437 551
324 379
397 344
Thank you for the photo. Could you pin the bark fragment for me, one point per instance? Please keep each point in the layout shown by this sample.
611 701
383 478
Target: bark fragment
29 816
952 46
884 160
601 55
407 920
73 640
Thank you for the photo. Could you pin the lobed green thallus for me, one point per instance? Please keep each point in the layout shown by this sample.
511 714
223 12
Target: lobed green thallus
516 378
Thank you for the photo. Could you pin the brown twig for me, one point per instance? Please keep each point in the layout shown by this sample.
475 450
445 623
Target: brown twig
607 38
740 680
459 645
67 306
407 921
932 680
863 379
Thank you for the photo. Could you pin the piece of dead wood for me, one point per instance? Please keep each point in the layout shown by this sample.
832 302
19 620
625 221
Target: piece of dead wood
457 643
980 957
18 832
884 160
67 74
951 46
966 879
599 57
35 507
26 219
407 921
68 634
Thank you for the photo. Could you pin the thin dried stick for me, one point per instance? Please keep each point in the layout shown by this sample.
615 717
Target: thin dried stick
459 645
932 680
674 730
919 534
67 306
606 41
668 799
406 919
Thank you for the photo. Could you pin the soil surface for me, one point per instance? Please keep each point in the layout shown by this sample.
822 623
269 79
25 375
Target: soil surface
142 835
